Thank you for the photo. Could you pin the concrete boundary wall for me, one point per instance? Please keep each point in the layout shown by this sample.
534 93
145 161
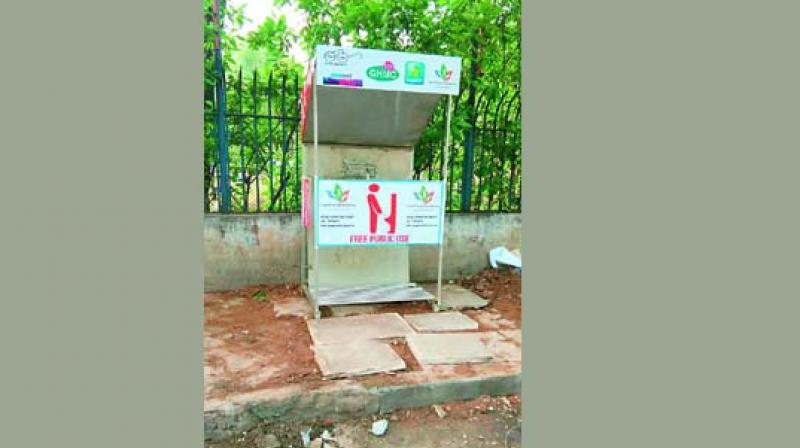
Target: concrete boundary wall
251 249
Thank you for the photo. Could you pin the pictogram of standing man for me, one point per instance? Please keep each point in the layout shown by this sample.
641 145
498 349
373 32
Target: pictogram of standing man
375 210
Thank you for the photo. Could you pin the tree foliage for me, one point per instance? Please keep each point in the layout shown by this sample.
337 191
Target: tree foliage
448 27
484 33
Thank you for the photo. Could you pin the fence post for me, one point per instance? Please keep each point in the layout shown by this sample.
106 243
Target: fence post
256 143
221 123
469 144
240 123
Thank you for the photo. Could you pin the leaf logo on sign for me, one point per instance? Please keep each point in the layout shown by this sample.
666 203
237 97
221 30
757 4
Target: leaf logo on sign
385 72
424 195
443 73
338 194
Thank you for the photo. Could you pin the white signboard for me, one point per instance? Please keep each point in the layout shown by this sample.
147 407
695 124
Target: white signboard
387 70
378 212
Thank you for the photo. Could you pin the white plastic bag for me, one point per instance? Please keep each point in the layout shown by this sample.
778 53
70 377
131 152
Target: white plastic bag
502 255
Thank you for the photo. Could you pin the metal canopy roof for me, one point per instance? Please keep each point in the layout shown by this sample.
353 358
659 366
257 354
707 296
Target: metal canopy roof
369 117
375 98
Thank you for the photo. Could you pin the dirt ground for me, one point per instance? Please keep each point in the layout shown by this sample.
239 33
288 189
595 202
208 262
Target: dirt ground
482 422
248 347
502 288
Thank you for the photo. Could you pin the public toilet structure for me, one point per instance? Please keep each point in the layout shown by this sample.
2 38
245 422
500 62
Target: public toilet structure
362 113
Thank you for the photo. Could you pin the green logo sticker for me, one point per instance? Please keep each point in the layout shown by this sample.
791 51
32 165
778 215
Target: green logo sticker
443 73
338 194
385 72
424 195
415 72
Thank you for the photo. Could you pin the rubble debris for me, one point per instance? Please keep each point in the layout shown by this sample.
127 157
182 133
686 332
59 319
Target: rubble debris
380 427
305 435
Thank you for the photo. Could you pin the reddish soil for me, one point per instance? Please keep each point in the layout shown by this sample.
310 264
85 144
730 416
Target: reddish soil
250 329
466 408
502 288
404 351
276 351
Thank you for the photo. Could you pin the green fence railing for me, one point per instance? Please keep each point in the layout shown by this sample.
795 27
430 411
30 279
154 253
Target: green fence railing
261 145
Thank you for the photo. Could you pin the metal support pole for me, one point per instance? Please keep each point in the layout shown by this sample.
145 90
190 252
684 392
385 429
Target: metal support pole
316 176
444 203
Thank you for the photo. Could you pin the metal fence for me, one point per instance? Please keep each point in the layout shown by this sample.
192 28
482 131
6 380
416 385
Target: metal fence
261 126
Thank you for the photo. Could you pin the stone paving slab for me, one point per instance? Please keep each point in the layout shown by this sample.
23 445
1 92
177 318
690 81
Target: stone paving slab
450 348
503 347
493 321
514 335
356 358
455 297
507 352
333 330
440 322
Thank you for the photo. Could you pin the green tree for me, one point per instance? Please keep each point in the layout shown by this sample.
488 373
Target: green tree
484 33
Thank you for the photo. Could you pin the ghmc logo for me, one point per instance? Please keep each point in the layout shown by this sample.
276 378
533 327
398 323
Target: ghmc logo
385 72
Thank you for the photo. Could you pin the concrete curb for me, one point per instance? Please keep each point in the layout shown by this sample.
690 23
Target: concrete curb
353 402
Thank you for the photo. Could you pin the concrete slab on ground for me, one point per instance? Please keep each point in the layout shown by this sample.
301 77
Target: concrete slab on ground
492 320
514 335
502 347
356 358
506 351
449 348
440 322
455 297
334 330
